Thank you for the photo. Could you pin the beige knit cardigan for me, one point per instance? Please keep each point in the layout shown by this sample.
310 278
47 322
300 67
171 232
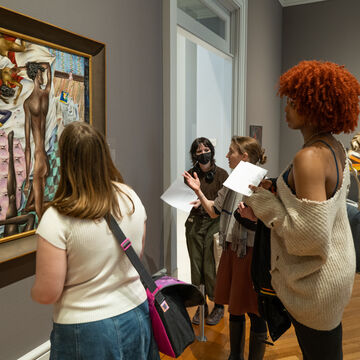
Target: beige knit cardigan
312 252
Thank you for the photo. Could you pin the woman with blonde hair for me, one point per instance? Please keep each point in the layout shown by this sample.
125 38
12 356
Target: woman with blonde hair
100 306
312 250
233 280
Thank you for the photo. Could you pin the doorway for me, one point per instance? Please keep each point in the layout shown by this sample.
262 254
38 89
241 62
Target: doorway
209 32
204 109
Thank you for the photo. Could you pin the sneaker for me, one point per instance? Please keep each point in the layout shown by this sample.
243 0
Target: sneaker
215 316
196 319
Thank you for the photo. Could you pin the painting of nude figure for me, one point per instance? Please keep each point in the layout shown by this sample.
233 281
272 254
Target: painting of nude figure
42 89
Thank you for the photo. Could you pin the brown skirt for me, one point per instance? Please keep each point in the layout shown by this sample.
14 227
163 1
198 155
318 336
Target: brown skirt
234 285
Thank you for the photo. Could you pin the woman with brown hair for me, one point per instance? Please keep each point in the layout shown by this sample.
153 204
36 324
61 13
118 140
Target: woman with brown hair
233 280
100 306
312 250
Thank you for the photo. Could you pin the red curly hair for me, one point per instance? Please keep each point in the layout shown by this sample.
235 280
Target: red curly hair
325 93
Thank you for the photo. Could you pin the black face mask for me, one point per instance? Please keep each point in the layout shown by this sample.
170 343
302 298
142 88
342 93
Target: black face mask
204 158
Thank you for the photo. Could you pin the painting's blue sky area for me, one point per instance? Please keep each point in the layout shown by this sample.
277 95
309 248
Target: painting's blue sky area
66 62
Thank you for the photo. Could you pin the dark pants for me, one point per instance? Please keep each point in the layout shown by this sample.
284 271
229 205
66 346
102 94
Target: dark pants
200 232
317 344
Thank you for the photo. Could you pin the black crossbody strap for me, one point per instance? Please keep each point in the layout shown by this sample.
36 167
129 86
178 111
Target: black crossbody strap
125 244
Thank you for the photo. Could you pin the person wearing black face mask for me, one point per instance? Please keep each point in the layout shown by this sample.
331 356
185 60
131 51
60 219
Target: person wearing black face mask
204 158
200 227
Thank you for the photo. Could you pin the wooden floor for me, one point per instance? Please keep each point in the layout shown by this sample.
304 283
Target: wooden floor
286 348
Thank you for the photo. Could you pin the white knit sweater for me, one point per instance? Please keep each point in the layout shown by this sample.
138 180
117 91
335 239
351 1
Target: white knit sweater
312 252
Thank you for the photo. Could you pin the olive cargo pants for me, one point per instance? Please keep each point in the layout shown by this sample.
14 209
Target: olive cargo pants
200 232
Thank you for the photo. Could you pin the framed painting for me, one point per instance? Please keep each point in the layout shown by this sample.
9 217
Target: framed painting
256 133
49 77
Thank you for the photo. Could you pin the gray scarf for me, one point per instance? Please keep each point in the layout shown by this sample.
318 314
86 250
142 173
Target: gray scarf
230 229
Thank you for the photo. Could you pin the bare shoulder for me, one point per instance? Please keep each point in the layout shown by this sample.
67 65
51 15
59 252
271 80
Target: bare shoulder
309 162
308 156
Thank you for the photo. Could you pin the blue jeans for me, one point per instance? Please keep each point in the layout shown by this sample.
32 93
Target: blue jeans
126 336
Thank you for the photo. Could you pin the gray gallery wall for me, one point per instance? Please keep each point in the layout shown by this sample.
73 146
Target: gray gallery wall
132 32
263 71
24 325
326 30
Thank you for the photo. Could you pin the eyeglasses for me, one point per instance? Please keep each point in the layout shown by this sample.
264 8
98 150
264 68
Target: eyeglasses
290 102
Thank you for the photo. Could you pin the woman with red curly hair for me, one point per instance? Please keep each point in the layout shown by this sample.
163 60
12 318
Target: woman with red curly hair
312 251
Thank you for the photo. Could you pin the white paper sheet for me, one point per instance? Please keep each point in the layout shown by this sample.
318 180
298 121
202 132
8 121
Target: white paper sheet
179 195
243 175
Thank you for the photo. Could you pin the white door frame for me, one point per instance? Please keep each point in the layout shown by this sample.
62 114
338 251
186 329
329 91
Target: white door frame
239 14
193 26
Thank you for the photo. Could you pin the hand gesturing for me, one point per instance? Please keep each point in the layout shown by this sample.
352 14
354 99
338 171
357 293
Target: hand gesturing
193 182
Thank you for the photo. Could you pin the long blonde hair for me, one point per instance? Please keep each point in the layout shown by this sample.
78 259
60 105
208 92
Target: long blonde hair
86 189
249 145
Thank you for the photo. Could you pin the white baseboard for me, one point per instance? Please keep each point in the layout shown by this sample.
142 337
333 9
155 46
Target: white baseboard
45 356
42 352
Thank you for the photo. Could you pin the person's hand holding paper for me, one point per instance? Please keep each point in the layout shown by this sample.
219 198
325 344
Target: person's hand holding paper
243 175
179 195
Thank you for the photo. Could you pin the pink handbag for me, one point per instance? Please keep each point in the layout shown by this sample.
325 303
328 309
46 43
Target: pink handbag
168 299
